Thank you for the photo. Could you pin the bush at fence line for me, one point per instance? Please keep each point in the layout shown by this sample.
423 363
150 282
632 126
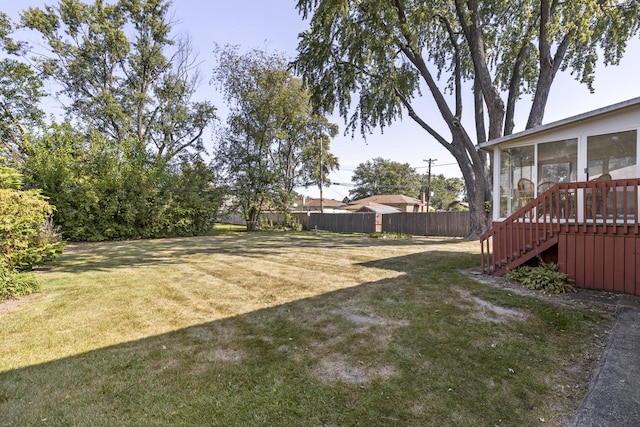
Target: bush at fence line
288 223
385 235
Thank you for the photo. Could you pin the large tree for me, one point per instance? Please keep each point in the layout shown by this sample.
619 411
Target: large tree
121 72
273 142
127 163
445 190
389 52
383 176
20 93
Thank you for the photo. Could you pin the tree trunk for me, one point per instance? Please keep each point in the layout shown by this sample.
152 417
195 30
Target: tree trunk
477 189
478 216
252 219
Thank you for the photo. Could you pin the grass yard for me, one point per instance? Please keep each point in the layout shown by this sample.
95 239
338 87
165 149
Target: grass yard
287 329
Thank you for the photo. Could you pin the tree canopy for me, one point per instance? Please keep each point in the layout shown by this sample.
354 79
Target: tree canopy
127 161
383 176
20 93
273 142
388 53
445 191
123 73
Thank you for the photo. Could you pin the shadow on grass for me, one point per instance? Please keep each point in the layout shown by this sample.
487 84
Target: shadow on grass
398 351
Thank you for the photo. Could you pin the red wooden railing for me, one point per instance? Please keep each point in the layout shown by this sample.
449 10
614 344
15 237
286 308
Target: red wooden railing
599 206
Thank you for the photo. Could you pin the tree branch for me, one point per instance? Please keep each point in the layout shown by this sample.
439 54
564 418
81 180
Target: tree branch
473 33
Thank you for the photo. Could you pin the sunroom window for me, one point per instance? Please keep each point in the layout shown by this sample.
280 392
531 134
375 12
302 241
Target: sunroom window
612 156
517 186
557 162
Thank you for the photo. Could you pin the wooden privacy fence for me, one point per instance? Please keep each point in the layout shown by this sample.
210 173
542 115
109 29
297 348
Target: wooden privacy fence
356 222
441 224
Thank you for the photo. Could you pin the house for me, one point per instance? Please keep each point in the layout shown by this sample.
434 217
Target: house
457 206
399 201
568 192
309 204
377 208
328 205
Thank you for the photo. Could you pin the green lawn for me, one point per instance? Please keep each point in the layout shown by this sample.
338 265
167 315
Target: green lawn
287 329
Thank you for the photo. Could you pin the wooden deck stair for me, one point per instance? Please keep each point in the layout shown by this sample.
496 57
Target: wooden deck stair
567 212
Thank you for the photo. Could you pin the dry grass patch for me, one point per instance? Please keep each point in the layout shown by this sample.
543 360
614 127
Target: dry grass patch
485 310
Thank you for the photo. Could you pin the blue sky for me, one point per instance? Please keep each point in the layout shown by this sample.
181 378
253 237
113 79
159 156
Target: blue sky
274 25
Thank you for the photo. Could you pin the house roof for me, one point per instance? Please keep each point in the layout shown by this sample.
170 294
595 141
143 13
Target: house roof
630 103
355 206
382 209
388 199
328 203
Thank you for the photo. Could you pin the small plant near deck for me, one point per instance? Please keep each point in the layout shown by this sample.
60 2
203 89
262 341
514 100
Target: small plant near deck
545 277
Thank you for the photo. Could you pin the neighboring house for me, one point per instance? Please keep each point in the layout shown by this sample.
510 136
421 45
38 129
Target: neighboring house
379 209
329 205
399 201
568 192
457 206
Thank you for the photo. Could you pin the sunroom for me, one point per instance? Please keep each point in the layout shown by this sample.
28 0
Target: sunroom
564 185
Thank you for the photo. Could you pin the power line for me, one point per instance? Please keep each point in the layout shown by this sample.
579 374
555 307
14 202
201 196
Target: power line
435 166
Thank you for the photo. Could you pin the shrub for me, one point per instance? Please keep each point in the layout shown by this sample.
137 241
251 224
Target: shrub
26 235
385 235
545 277
14 284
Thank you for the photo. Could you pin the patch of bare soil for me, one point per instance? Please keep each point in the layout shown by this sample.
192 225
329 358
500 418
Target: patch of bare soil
484 310
572 384
360 319
225 355
7 305
336 367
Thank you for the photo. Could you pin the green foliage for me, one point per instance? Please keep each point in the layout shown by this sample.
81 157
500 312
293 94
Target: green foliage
194 203
102 191
374 60
20 91
10 178
26 235
27 238
273 141
124 73
391 236
9 44
130 165
545 277
445 191
383 176
290 223
15 284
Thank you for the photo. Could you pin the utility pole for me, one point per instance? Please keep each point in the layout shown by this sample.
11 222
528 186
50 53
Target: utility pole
430 161
320 178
